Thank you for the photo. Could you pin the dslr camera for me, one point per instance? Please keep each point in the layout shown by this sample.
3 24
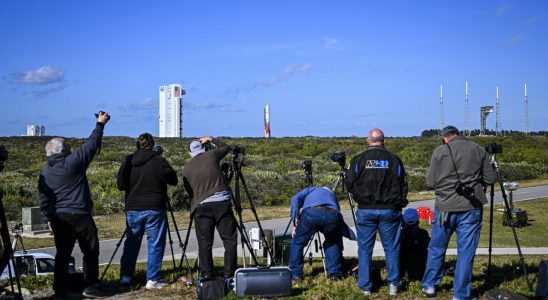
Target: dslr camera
493 148
100 113
237 149
338 157
463 190
306 165
158 149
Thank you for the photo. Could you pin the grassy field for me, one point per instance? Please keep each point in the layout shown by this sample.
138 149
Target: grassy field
505 275
112 226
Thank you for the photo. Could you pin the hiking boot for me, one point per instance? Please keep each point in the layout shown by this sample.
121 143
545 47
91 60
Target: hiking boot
94 292
393 290
429 292
155 284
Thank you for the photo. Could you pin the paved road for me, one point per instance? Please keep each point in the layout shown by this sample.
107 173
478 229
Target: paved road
278 225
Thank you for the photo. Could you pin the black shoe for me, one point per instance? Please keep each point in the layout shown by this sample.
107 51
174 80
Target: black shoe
94 292
335 277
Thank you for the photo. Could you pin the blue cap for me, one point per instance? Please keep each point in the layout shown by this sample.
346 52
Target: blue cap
410 216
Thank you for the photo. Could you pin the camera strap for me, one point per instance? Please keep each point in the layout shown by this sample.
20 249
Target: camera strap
454 165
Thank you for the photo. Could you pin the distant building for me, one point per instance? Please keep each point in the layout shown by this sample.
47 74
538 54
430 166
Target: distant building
171 110
36 130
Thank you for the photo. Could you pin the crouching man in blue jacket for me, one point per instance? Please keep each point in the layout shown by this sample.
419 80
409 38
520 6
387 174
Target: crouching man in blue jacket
65 201
320 213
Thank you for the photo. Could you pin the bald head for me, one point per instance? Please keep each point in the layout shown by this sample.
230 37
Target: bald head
375 137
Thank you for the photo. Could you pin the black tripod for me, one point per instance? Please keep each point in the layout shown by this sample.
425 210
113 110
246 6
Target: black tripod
7 258
170 209
340 181
508 210
309 181
235 171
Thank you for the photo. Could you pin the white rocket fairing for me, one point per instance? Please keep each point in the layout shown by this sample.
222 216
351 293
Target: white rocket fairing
266 122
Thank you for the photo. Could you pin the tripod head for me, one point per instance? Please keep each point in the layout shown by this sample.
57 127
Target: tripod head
306 165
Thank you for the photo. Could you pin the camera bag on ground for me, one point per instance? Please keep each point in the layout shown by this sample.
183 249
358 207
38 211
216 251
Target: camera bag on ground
211 288
519 217
263 281
542 280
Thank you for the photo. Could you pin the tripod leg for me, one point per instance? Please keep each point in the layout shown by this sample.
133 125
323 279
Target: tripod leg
183 255
253 209
113 254
492 194
321 252
171 245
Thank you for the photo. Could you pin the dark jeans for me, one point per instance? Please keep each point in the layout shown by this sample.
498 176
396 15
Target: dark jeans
331 225
67 228
207 216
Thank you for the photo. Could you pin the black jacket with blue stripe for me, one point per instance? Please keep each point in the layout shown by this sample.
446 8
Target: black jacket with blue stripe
376 177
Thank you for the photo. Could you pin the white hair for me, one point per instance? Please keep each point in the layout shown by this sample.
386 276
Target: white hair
55 146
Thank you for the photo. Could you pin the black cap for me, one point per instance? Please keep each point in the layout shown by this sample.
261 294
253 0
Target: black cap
449 129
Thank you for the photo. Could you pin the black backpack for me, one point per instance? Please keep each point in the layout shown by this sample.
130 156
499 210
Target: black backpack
542 280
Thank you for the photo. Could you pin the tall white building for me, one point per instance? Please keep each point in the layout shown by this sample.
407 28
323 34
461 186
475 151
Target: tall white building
171 110
36 130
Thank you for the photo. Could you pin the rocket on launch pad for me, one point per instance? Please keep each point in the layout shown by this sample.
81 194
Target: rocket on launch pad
266 122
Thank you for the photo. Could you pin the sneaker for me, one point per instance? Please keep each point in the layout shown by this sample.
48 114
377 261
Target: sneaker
155 284
366 293
429 292
393 290
94 292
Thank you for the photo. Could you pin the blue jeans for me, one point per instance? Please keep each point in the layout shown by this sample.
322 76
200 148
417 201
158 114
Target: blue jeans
388 223
154 223
311 221
467 225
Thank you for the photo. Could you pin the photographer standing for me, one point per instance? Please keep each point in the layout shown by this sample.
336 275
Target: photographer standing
65 201
144 176
458 171
210 196
376 177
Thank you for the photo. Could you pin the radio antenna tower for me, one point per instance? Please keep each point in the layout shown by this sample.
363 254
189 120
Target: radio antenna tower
466 113
526 113
498 130
442 121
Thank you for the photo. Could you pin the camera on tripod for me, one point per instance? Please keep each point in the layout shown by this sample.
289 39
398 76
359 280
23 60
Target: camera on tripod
338 157
237 150
17 229
493 148
306 165
158 149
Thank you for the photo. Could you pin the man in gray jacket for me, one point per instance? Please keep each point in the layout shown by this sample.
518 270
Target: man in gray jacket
459 170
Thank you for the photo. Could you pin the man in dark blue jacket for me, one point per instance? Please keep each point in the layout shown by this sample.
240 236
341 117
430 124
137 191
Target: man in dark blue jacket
65 201
376 177
320 213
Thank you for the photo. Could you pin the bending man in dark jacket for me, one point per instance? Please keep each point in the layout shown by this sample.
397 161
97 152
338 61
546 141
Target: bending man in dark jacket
457 160
376 177
210 196
65 201
144 175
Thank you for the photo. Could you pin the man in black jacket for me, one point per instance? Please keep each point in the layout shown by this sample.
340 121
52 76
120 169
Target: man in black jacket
144 176
376 177
65 201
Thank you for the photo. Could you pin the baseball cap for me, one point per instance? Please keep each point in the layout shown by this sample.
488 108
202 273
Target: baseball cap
410 216
449 129
196 148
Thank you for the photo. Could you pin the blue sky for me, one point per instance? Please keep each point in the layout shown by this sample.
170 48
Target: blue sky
326 68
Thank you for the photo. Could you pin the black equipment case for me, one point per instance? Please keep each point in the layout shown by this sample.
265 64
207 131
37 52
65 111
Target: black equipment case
263 282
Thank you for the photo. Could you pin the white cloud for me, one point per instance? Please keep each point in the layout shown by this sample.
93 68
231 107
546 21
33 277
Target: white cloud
286 74
503 9
532 21
42 75
511 41
146 104
212 106
332 44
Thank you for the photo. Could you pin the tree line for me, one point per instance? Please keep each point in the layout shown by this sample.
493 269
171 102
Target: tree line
272 167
